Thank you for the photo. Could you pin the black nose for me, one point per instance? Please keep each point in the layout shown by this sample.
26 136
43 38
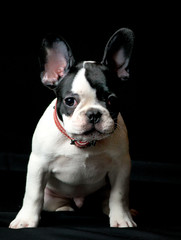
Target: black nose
93 115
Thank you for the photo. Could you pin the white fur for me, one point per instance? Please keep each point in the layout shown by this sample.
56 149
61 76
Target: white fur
59 172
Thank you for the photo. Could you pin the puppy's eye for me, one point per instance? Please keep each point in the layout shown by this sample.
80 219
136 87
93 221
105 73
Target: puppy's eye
112 99
70 101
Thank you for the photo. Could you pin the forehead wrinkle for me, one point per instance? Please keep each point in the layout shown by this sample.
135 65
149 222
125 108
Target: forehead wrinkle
82 87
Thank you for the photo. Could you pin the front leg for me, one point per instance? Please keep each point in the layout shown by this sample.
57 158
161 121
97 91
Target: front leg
29 214
119 214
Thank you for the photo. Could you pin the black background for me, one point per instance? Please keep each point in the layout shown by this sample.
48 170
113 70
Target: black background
150 106
147 102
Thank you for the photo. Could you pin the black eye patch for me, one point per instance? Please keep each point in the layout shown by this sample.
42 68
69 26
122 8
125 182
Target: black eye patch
67 105
112 104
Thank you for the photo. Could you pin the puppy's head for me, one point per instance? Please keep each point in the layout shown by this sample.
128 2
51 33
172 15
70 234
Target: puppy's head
87 101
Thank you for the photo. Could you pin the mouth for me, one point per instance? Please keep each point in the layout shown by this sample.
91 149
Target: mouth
91 135
91 131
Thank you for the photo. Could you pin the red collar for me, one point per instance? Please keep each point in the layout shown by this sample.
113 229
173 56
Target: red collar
80 144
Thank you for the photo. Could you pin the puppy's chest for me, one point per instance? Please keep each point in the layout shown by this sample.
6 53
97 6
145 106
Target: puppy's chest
83 169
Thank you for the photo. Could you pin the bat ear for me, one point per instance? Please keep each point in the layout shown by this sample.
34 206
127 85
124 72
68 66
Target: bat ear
118 51
55 60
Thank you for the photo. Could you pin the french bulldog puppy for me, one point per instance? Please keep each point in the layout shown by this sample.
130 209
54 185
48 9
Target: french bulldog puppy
81 139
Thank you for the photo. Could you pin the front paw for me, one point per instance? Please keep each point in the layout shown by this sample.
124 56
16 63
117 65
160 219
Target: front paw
24 222
122 220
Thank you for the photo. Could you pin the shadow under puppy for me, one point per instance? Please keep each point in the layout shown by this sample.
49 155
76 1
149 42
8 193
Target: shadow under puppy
81 139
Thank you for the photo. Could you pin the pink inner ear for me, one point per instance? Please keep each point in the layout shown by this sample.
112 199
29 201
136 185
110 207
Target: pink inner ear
54 68
121 62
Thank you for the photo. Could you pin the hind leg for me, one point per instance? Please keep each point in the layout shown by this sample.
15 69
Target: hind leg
54 202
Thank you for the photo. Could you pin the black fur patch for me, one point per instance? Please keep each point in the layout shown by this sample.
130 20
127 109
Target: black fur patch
63 90
100 78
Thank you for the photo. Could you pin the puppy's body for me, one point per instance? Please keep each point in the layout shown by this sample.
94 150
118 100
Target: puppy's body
85 110
75 172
